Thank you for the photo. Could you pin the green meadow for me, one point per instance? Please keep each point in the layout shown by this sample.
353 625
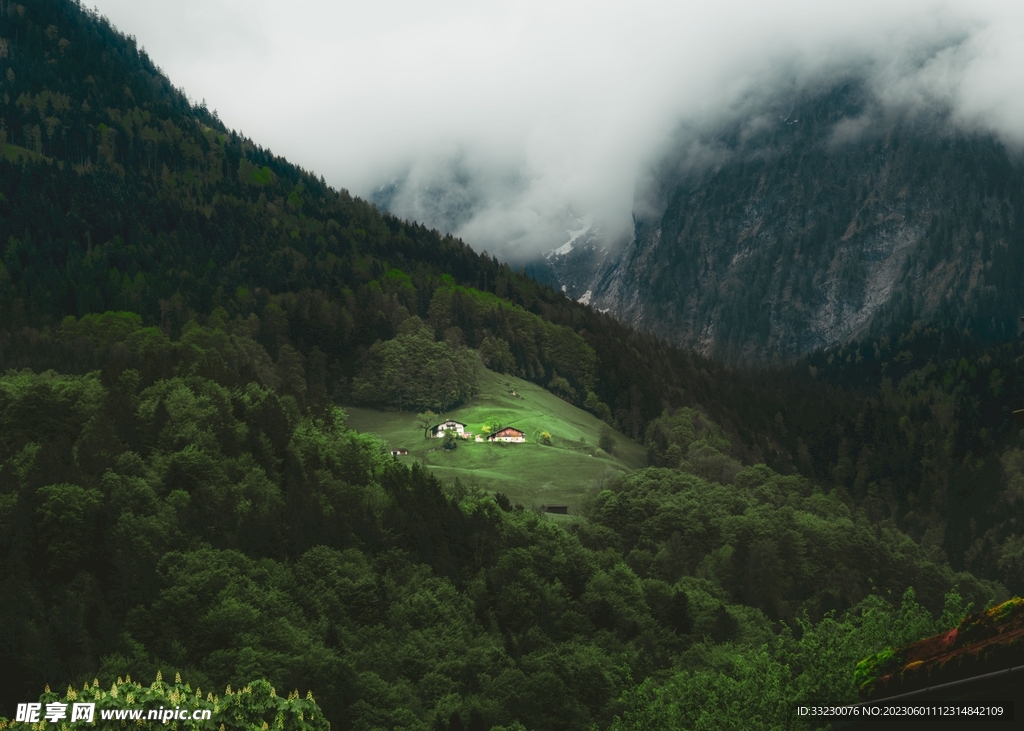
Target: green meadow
14 153
531 473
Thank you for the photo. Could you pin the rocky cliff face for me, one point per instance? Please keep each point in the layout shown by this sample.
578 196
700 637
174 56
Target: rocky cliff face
575 265
829 218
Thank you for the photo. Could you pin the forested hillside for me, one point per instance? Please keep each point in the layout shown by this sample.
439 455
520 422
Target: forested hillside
188 521
117 194
183 313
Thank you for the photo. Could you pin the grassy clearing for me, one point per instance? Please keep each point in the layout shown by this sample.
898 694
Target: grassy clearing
532 473
14 153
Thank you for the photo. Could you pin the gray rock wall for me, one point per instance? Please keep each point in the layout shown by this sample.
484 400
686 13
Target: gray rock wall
797 237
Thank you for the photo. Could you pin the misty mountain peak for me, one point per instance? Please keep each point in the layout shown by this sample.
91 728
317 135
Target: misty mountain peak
800 225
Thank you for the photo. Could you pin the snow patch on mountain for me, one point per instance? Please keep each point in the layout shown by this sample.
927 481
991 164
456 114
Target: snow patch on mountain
565 248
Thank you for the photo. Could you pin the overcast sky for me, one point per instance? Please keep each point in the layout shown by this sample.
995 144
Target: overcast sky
518 113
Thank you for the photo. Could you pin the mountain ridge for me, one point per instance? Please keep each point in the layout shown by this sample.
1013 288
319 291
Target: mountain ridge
837 219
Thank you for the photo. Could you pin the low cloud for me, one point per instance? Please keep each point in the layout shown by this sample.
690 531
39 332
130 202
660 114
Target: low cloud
508 122
850 130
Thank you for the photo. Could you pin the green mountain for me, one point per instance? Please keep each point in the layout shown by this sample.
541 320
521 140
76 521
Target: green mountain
117 194
182 314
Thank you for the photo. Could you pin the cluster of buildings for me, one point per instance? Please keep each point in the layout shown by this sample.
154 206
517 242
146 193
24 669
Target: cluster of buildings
505 434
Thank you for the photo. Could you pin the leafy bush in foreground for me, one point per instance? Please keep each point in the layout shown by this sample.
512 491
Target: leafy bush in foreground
257 705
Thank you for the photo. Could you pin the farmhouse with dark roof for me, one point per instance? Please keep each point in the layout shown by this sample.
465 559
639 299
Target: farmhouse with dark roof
507 434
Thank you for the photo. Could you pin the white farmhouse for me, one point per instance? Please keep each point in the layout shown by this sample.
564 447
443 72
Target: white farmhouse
451 425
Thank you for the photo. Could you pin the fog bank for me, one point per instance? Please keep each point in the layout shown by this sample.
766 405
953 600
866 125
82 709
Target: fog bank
508 123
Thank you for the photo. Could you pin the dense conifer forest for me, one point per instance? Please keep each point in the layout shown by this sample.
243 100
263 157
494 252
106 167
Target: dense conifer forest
183 314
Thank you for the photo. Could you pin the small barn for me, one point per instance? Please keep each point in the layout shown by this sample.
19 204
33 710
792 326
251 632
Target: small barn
507 434
399 452
558 508
451 425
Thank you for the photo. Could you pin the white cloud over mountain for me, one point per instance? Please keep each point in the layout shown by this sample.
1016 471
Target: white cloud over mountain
502 119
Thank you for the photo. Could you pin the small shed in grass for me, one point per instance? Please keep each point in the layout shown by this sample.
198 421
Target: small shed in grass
557 508
399 452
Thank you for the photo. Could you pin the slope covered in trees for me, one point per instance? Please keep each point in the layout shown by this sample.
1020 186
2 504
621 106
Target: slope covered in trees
190 520
118 194
182 311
